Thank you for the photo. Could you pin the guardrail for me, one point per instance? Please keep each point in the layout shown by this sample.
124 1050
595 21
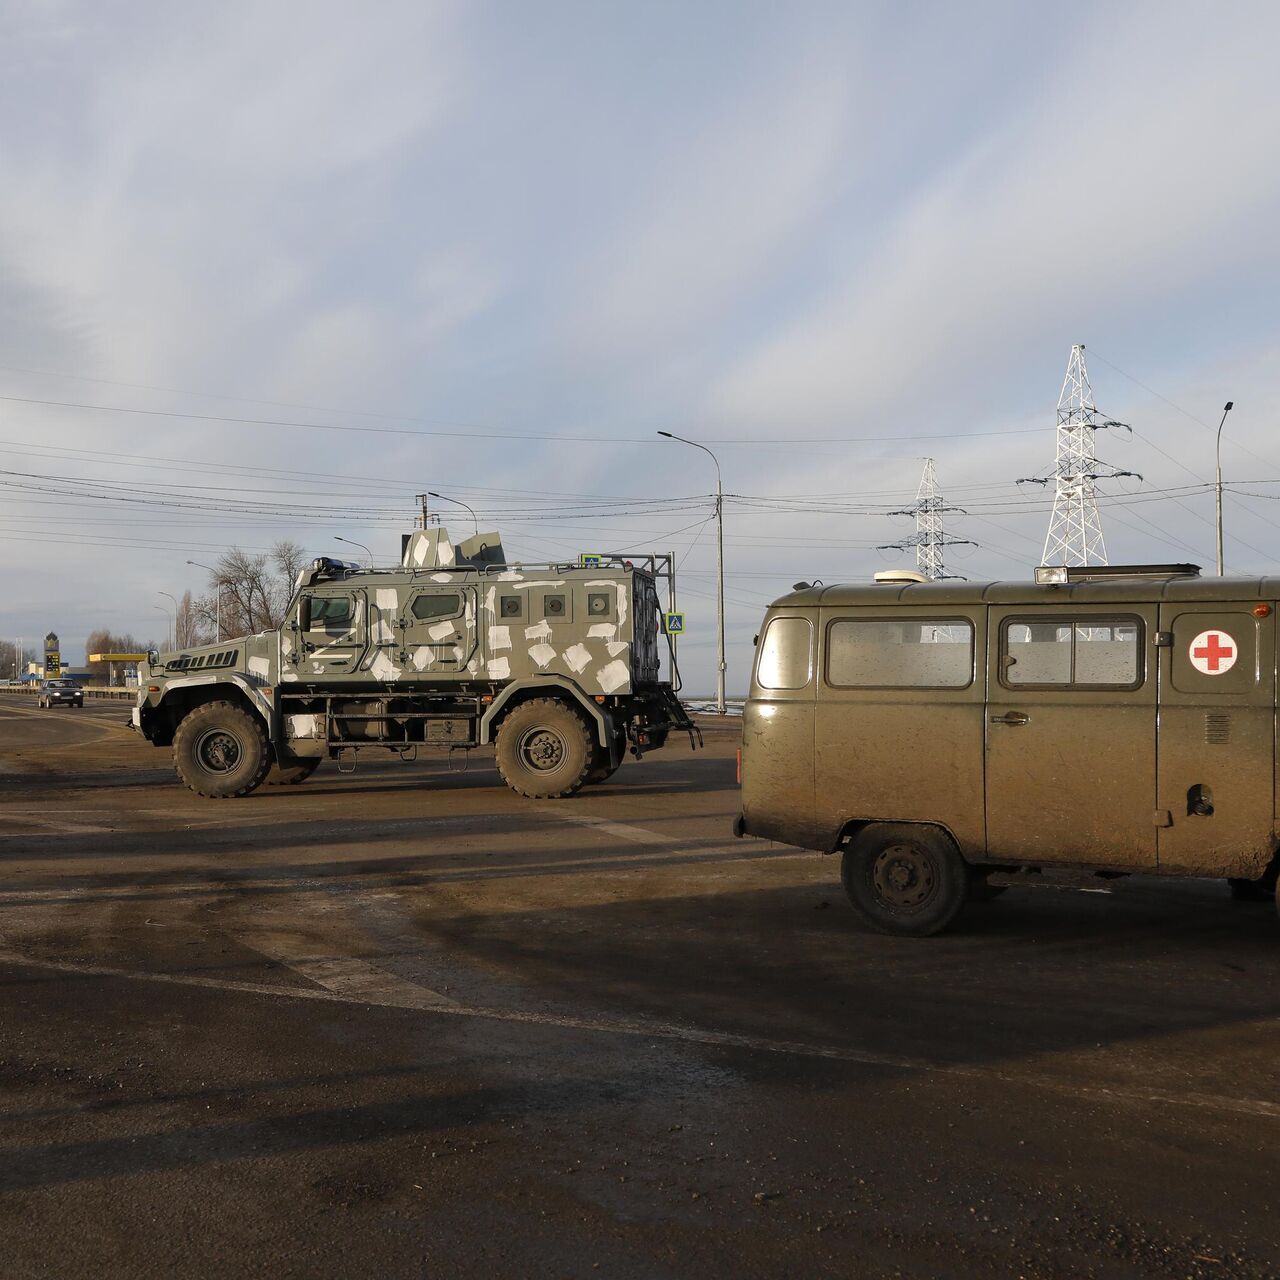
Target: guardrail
111 695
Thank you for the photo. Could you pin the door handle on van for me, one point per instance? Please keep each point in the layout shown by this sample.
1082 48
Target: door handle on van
1011 717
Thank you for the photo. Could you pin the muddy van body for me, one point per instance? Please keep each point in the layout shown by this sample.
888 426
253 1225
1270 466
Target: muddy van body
1119 720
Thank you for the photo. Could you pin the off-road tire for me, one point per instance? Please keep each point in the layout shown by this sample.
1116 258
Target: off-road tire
544 749
289 775
221 730
904 879
601 770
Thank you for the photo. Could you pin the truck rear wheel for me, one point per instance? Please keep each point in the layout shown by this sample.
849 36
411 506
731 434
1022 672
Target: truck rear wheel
220 751
544 749
289 775
904 879
601 770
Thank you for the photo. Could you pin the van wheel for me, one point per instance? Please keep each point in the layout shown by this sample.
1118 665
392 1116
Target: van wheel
544 749
904 879
289 775
220 751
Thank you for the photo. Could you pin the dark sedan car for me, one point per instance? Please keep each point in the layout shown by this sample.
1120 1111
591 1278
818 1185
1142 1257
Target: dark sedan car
61 693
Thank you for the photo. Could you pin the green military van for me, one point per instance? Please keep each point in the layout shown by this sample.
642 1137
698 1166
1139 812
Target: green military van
1119 719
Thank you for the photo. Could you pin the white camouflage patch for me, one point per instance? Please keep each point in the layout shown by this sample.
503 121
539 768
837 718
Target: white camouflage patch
499 638
384 669
541 631
259 667
577 657
440 631
542 654
614 676
616 647
602 631
499 669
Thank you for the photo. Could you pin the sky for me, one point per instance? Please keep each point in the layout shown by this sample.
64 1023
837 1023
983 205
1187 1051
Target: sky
270 270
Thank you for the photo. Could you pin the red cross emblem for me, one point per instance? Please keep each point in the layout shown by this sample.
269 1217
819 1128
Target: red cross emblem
1213 653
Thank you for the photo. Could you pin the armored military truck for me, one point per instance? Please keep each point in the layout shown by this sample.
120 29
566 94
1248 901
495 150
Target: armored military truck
1117 720
558 665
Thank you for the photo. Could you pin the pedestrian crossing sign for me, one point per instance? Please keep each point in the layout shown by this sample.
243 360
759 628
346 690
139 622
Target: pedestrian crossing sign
673 624
590 559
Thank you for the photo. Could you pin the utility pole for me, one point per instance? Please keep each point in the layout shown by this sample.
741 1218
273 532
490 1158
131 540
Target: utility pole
1075 528
720 663
1226 409
423 513
930 538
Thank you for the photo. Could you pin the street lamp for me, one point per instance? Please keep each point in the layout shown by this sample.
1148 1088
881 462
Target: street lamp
217 598
1226 409
351 542
719 568
165 611
456 503
175 614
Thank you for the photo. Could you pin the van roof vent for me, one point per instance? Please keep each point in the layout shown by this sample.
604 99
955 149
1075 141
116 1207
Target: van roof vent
900 576
1048 574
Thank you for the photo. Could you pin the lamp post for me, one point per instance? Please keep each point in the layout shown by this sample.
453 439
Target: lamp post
351 542
165 611
217 598
175 614
456 503
720 666
1226 409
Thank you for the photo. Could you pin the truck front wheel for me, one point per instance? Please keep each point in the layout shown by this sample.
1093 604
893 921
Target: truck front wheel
544 749
904 879
220 751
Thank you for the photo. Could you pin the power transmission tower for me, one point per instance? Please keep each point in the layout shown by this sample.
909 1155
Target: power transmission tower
930 538
1075 528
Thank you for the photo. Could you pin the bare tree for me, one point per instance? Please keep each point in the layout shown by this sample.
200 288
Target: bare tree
254 590
190 627
106 641
12 661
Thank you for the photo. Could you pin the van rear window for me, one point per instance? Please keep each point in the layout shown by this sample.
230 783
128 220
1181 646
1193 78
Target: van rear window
785 660
900 653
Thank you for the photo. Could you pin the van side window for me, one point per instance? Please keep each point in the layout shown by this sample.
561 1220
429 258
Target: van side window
1094 653
902 653
785 660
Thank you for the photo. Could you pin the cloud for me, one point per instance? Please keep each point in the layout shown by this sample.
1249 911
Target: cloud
1134 176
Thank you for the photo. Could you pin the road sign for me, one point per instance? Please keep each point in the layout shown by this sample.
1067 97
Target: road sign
590 559
1213 653
673 624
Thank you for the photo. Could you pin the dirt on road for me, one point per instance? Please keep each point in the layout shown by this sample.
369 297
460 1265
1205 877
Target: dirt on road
408 1023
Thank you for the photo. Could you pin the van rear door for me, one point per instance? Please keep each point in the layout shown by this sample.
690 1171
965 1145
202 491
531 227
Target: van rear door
1217 743
1071 735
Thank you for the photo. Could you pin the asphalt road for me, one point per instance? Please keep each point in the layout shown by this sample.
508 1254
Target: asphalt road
406 1023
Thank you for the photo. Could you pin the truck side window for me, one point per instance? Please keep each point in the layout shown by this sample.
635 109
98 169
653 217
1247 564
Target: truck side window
1092 653
328 612
900 653
785 660
448 605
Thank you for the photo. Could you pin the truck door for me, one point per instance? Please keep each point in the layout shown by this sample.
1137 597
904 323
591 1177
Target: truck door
1217 743
439 628
1071 735
331 635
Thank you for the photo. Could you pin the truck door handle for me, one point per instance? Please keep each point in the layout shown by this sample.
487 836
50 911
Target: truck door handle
1011 717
